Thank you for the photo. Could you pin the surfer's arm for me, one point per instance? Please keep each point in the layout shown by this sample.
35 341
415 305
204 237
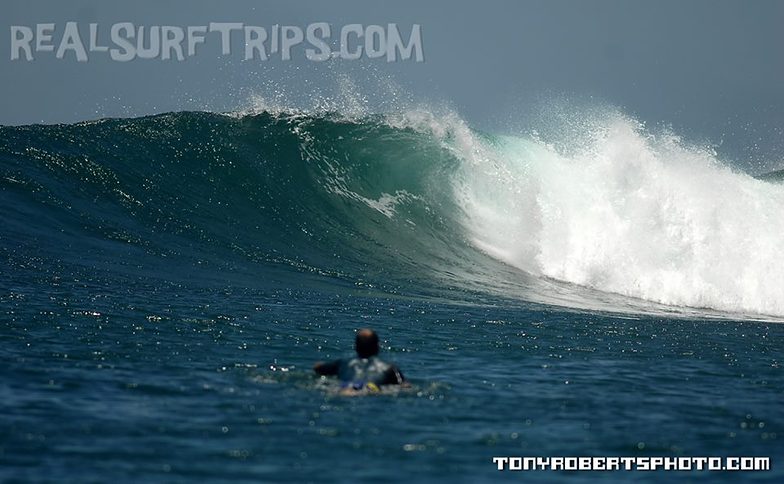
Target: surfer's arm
327 368
394 376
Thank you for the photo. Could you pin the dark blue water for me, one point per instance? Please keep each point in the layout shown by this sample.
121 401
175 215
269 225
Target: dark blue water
168 282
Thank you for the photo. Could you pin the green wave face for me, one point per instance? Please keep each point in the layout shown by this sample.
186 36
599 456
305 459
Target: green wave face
360 201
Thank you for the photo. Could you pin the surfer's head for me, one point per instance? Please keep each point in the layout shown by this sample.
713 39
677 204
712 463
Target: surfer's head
367 343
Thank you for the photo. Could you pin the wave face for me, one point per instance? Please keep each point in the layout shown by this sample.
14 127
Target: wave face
413 204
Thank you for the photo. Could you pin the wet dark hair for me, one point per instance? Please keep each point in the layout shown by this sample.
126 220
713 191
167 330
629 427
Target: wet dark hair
367 343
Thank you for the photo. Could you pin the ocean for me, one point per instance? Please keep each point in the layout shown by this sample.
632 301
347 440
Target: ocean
168 282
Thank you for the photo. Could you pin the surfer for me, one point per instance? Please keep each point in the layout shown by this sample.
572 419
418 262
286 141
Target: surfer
366 371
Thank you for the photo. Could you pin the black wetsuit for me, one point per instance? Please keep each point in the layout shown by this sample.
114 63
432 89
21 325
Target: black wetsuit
358 372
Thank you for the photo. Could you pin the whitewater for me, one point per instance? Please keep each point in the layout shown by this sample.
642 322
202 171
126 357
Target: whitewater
627 212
